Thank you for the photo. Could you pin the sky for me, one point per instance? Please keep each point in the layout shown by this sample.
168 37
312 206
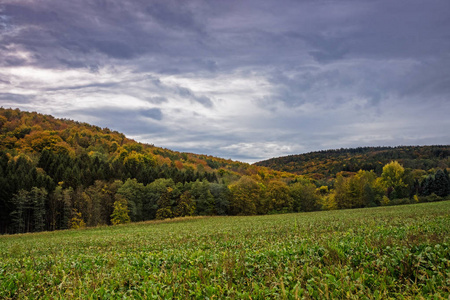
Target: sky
246 80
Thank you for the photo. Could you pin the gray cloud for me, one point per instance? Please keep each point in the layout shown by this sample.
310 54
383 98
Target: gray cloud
153 113
15 98
114 118
241 79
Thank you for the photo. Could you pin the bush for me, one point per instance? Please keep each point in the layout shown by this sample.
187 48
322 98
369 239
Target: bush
431 198
402 201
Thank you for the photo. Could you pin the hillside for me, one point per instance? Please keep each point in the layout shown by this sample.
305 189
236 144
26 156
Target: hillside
30 133
60 174
76 169
326 164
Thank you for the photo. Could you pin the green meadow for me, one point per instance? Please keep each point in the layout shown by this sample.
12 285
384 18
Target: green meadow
400 252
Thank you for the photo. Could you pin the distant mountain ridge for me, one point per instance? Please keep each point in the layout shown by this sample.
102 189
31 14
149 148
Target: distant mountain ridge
327 163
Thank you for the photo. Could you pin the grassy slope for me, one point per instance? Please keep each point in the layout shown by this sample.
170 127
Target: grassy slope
399 251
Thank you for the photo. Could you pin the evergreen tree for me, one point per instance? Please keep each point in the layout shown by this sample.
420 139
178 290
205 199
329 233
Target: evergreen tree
37 197
18 216
441 183
221 195
427 186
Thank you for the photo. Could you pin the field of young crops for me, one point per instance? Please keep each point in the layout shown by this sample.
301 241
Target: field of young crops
377 253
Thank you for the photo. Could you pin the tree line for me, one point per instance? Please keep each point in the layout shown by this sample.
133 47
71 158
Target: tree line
60 174
325 165
60 192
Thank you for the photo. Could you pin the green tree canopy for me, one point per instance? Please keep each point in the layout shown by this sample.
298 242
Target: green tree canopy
392 179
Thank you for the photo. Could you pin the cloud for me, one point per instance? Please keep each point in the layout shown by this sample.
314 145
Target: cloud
110 116
15 98
153 113
241 79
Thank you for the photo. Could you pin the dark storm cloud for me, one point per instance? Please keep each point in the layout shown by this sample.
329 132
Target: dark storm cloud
84 33
270 78
253 32
174 15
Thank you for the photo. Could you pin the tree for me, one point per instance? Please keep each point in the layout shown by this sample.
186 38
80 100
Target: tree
99 202
37 198
154 199
392 179
341 187
278 197
359 190
427 186
305 197
77 220
165 205
18 216
441 184
65 212
221 195
120 213
245 194
29 213
368 196
365 191
328 202
185 205
203 198
92 199
135 193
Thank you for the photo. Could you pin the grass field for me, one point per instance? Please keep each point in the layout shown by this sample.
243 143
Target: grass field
377 253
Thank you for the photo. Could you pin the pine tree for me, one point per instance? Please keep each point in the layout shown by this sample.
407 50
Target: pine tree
37 197
427 185
20 201
441 183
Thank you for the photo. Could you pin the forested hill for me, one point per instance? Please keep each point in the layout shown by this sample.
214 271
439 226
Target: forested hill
326 164
31 134
57 173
